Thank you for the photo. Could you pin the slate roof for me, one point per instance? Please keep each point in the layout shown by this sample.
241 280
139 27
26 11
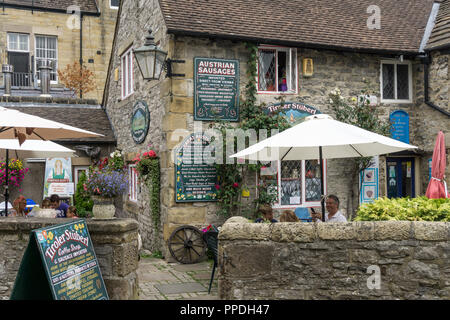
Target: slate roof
86 6
340 24
440 36
87 117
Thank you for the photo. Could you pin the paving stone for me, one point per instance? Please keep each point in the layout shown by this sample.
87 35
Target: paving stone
178 288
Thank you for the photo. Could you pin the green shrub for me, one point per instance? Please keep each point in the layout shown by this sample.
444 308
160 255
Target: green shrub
83 201
416 209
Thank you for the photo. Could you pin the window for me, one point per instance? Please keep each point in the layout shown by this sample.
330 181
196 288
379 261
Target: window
132 182
295 183
396 82
114 4
47 52
277 69
18 42
79 170
127 73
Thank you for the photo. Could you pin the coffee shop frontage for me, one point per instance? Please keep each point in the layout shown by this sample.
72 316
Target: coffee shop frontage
204 81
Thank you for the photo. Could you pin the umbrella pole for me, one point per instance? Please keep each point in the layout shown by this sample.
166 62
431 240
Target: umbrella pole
321 184
6 183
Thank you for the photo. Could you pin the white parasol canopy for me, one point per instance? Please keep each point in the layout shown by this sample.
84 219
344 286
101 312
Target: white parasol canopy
43 129
33 149
336 139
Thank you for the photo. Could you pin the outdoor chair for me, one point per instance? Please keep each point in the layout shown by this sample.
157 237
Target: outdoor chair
211 240
303 214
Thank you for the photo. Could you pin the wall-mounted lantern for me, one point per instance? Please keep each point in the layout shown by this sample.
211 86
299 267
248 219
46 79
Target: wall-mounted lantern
308 67
150 58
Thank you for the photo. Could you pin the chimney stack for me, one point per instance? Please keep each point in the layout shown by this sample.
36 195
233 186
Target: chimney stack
45 67
7 71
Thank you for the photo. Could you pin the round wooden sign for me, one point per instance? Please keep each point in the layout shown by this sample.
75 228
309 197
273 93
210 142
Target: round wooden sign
140 121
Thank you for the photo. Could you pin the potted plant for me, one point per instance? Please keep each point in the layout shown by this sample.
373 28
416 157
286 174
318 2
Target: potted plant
105 182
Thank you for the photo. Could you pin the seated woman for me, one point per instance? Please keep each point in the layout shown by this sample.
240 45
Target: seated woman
267 214
19 206
288 216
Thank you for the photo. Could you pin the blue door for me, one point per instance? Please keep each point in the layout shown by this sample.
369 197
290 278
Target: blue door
400 177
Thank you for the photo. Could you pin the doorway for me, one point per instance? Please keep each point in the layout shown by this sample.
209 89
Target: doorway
21 63
400 177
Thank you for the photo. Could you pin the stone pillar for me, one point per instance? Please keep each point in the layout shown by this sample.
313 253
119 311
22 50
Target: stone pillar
45 68
7 71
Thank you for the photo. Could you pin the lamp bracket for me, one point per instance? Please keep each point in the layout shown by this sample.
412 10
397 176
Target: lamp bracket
168 67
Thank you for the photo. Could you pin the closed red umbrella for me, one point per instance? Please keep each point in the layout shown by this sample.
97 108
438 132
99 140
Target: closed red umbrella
437 187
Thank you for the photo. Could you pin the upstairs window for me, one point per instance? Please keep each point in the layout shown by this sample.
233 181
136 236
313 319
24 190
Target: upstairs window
46 52
114 4
127 73
277 70
396 82
18 42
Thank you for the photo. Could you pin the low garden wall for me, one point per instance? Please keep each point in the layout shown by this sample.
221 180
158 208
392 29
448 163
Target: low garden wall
355 260
115 245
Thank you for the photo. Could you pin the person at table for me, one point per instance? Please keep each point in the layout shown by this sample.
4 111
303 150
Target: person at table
72 212
45 211
332 207
266 214
19 206
288 216
57 204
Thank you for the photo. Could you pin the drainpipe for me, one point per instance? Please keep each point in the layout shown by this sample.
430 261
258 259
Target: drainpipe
81 49
426 61
7 71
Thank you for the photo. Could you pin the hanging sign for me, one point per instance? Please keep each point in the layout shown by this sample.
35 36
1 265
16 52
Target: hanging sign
216 89
60 264
140 121
400 126
58 177
195 172
369 181
294 112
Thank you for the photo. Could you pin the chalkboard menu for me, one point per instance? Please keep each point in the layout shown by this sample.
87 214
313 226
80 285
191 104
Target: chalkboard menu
400 126
195 172
60 263
216 89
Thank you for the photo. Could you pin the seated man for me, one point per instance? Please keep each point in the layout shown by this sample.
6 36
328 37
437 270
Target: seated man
57 204
334 214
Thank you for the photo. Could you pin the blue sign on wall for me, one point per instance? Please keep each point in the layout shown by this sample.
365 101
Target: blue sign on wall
400 126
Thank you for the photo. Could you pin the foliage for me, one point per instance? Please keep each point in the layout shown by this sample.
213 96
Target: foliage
148 168
83 201
16 172
77 78
416 209
231 176
107 178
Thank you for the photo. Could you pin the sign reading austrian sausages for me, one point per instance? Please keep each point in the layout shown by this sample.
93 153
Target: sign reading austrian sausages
216 89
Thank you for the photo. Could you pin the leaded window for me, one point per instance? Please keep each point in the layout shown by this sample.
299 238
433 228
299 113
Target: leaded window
396 81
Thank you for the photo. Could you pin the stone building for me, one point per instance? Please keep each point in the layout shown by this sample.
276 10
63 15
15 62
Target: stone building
61 32
305 50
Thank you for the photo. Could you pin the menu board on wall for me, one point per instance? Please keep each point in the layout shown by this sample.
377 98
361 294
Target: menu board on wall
369 181
400 126
216 89
58 177
195 172
60 263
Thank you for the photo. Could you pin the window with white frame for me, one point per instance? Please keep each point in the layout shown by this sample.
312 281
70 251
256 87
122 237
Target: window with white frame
114 4
277 70
396 81
47 52
132 182
295 183
126 65
79 170
19 42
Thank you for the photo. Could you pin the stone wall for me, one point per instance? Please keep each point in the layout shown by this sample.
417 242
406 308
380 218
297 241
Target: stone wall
115 245
331 260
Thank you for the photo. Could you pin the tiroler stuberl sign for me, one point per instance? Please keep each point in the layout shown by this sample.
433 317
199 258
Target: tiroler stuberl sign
60 264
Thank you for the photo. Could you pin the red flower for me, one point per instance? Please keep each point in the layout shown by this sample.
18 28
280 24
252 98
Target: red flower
217 187
235 185
152 154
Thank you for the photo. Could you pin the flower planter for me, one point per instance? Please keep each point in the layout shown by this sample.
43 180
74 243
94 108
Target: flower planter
103 207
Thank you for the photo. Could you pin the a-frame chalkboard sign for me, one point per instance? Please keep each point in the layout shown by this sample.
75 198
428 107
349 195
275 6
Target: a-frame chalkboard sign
60 264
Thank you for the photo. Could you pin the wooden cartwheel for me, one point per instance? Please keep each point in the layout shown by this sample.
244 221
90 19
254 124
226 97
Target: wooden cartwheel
187 245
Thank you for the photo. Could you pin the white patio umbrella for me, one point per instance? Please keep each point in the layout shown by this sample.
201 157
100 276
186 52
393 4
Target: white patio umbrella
42 129
29 149
321 137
